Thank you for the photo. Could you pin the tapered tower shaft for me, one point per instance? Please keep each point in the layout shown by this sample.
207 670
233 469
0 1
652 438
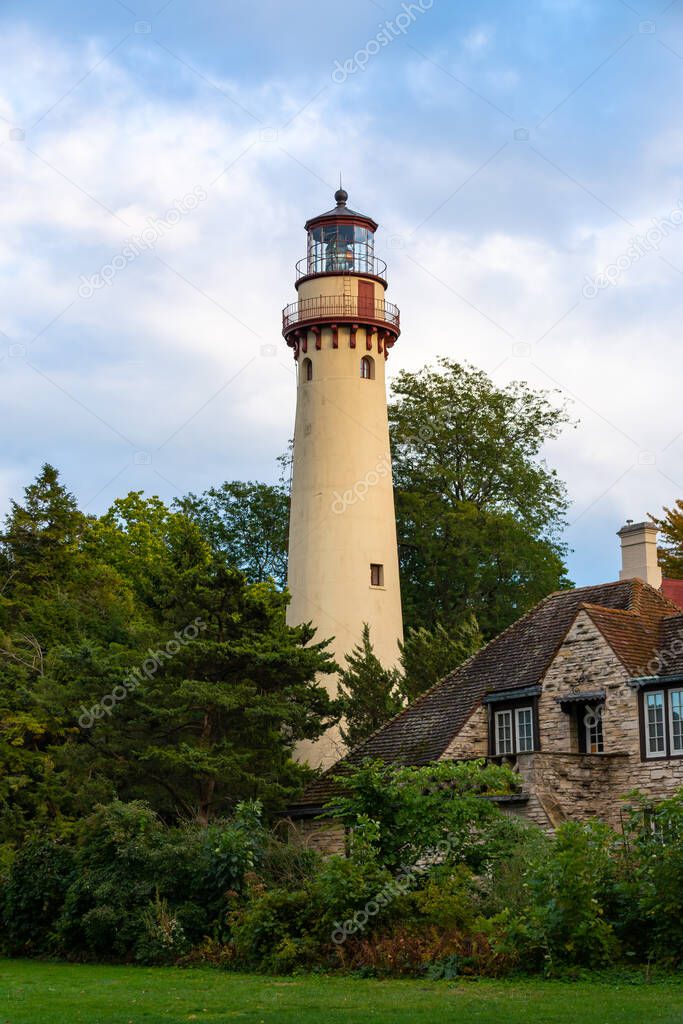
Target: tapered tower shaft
343 557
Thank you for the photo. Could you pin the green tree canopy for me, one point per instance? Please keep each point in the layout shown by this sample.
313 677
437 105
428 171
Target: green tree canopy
137 662
671 541
479 512
248 523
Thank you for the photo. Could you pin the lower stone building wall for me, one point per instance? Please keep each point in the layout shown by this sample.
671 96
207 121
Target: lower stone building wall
571 787
574 787
324 836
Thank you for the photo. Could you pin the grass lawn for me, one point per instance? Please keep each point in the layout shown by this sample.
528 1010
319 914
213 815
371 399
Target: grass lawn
49 993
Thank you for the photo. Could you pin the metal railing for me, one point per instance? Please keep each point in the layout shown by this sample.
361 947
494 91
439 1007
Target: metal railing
331 307
310 266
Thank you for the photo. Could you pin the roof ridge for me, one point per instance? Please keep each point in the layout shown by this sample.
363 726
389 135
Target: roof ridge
590 586
591 606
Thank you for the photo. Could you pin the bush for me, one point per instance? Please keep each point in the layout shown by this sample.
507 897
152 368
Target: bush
653 852
486 895
570 889
33 893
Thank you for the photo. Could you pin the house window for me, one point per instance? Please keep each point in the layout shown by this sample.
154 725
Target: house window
503 732
514 730
663 723
676 710
592 724
307 367
367 368
654 724
376 575
525 730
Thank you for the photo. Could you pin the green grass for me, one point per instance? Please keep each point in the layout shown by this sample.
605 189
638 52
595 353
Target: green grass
32 992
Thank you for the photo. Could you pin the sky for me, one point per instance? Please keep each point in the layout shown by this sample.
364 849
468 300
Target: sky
523 159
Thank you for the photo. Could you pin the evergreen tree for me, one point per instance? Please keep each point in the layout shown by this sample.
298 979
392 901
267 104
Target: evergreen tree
427 655
54 599
369 694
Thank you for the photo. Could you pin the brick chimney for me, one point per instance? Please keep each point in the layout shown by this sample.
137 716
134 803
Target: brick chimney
639 553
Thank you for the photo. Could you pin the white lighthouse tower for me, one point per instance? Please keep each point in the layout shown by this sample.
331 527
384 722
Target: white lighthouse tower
343 556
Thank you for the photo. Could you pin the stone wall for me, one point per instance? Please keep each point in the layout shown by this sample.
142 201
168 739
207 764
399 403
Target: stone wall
571 787
472 740
325 836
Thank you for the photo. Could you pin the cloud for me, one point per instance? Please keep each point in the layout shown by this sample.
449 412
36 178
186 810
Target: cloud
488 245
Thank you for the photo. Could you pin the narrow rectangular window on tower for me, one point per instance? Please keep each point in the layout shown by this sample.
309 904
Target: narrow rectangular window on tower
376 575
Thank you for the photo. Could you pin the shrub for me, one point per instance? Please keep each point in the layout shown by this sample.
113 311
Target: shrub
568 889
653 851
33 893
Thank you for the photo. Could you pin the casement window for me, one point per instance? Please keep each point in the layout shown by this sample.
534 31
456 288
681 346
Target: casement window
662 723
513 730
589 728
376 575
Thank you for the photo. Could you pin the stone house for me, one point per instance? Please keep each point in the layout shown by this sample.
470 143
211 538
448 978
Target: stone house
582 696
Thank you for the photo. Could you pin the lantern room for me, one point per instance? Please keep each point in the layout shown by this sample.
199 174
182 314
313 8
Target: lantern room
341 286
341 241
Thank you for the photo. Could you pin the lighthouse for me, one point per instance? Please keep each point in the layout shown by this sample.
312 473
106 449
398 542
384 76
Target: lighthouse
343 554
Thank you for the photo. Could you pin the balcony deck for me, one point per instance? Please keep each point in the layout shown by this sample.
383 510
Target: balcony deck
341 309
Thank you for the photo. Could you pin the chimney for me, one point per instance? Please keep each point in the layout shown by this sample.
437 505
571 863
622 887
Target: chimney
639 553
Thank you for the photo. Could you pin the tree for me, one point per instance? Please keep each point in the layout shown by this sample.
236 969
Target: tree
671 541
479 512
247 522
369 694
216 723
54 598
427 655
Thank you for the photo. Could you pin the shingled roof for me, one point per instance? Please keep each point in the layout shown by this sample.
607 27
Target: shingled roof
629 613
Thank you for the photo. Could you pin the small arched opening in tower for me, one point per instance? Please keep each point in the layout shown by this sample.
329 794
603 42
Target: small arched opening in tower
307 370
367 368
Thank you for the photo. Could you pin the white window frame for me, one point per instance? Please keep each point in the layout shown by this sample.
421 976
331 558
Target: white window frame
649 752
594 712
673 750
518 713
509 718
498 715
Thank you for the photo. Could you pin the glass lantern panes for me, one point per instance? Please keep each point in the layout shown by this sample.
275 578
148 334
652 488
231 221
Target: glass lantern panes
336 248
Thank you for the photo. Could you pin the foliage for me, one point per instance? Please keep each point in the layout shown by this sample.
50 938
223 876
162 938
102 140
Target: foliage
33 894
570 895
368 693
403 812
479 512
212 688
247 523
427 655
653 854
670 553
438 883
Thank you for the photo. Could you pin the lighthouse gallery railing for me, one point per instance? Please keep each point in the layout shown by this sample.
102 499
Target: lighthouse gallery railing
329 307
